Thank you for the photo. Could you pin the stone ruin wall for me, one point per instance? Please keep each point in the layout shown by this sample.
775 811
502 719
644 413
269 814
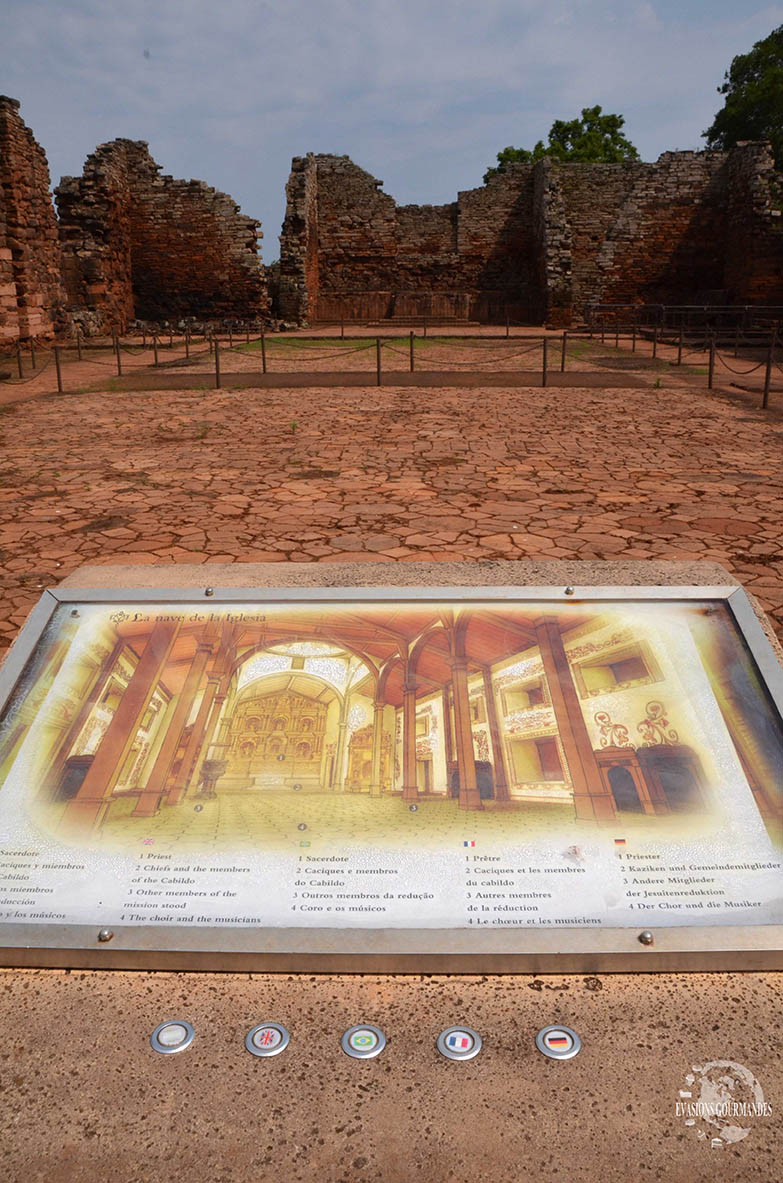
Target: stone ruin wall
32 296
129 243
348 249
140 245
540 242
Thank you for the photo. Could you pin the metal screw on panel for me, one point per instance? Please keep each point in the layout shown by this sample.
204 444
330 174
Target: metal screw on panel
569 591
646 937
105 934
75 612
209 591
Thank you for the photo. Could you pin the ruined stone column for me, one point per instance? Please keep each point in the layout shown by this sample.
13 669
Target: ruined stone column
89 805
592 799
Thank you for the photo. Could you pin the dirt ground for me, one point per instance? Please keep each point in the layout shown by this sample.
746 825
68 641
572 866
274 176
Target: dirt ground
397 474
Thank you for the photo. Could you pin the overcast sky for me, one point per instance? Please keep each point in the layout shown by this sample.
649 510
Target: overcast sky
421 94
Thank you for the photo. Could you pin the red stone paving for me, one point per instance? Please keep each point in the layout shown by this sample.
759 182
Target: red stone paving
387 474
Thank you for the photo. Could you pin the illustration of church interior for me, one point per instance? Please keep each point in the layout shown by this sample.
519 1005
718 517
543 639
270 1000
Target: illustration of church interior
481 706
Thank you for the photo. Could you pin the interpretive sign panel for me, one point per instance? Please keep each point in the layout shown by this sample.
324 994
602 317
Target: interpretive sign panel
392 777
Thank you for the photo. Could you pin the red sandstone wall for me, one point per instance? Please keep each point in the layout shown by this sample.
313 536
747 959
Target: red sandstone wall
348 250
666 243
138 244
298 282
30 260
540 241
754 246
94 212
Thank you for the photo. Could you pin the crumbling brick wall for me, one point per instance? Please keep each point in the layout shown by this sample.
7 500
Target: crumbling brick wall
348 250
754 247
32 297
138 244
541 242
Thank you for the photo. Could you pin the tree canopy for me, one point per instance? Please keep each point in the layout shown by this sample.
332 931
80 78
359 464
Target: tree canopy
753 91
595 138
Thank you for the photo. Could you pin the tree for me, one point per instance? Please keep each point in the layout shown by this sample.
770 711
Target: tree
753 92
595 138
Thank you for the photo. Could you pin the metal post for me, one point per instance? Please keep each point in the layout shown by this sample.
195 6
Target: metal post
507 321
171 337
217 364
633 336
425 325
378 360
563 351
263 350
411 349
32 352
342 328
617 332
144 338
187 343
543 370
155 348
247 333
117 351
603 332
768 374
655 340
736 340
679 347
231 334
57 367
79 344
711 371
19 357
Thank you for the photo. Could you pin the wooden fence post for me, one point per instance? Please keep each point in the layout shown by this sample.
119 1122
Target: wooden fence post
57 367
19 357
768 374
117 351
155 348
563 351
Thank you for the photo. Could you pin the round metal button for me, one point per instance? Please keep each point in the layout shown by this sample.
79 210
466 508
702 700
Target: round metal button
363 1041
459 1043
559 1043
267 1039
172 1036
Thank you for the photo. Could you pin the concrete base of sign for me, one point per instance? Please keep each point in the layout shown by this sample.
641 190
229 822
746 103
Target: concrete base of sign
85 1096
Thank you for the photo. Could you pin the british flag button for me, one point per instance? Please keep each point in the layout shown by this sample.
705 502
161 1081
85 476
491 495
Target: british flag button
267 1039
459 1043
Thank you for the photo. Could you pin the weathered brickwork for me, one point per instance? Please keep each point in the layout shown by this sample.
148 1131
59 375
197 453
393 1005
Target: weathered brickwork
348 250
539 242
32 297
138 244
754 255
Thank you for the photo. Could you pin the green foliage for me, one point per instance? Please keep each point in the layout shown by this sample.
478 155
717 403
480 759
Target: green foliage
594 139
753 91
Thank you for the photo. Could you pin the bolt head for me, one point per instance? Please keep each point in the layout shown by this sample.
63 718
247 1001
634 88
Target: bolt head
209 591
569 591
646 937
105 934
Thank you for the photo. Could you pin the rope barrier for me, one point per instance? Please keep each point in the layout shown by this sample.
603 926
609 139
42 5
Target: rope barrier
32 378
732 370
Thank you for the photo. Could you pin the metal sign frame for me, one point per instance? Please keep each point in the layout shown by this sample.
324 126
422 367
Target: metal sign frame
573 950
